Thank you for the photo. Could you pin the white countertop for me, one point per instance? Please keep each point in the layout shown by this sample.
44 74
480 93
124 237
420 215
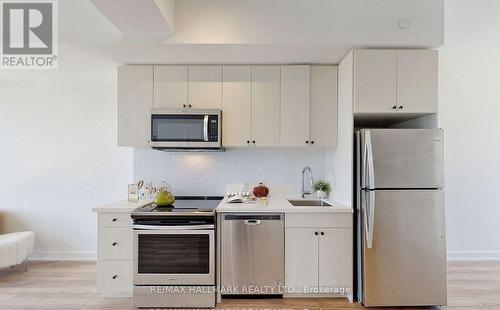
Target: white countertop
279 204
121 206
273 204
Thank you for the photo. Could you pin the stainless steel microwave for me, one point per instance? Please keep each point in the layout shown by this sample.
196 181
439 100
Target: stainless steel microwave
186 129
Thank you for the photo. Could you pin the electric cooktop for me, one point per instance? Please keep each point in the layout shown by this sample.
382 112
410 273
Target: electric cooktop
183 205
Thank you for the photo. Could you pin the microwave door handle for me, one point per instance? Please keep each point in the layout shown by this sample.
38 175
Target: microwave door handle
205 128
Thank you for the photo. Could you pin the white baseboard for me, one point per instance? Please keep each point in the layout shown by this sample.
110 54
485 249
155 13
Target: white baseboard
91 255
63 255
473 255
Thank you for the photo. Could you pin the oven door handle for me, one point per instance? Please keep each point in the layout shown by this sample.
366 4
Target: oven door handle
160 227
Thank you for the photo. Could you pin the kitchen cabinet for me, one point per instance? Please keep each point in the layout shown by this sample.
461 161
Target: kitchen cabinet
266 105
395 81
251 102
114 254
197 87
263 105
302 257
295 103
205 87
323 109
170 87
319 254
335 250
135 99
237 105
375 81
417 81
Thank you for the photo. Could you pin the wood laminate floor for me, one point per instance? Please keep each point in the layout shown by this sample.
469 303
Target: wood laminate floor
71 285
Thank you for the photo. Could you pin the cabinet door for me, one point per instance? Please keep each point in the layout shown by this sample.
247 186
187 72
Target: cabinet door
375 81
417 81
170 86
205 87
301 258
295 86
323 123
266 105
135 99
335 258
236 105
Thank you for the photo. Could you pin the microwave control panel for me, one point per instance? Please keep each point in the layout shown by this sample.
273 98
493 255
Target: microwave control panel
213 128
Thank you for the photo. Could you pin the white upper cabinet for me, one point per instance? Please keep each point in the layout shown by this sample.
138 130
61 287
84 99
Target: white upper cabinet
295 99
236 105
266 105
135 99
170 86
395 81
375 81
205 87
417 81
323 119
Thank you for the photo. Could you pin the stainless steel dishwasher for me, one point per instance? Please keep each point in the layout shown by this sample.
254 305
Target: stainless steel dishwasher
253 254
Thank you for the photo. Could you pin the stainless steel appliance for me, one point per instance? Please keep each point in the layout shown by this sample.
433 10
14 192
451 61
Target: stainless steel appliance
253 254
400 217
186 129
174 253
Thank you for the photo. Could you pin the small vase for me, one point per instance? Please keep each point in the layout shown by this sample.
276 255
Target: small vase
321 194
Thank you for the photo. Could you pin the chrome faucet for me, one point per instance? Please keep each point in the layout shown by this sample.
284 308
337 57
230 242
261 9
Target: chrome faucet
303 192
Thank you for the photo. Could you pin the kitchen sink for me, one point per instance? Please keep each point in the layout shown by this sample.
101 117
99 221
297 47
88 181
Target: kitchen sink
309 203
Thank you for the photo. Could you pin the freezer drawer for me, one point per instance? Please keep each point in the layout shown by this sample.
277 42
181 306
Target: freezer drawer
401 158
253 247
405 262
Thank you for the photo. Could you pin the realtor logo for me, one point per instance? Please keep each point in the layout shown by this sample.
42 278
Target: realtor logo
29 34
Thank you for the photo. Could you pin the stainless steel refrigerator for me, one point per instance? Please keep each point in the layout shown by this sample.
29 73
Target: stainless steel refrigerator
401 250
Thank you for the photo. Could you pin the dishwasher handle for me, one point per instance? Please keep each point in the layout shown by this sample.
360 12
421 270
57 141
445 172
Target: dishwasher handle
253 217
252 222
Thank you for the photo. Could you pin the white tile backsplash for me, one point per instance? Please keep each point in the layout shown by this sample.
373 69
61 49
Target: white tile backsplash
210 173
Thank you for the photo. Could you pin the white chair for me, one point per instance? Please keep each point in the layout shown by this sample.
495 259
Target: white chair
15 248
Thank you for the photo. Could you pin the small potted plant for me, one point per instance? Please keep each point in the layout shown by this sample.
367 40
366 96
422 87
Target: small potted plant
322 188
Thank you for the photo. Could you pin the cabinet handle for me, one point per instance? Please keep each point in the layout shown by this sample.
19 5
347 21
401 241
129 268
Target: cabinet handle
307 142
394 107
114 219
400 107
114 243
322 233
115 276
253 141
183 105
312 142
190 106
248 141
316 233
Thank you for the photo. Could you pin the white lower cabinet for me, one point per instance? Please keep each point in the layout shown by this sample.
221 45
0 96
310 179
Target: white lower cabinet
114 254
301 255
318 255
115 278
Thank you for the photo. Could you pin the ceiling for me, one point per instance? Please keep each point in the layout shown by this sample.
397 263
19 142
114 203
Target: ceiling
260 31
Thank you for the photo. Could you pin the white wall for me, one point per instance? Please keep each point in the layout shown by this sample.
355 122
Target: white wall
208 173
469 108
58 153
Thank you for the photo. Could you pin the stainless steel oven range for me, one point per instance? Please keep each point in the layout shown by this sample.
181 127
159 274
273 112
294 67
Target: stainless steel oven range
174 253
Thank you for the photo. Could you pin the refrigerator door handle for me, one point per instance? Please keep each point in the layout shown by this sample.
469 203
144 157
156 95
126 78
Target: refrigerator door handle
364 208
370 220
370 174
